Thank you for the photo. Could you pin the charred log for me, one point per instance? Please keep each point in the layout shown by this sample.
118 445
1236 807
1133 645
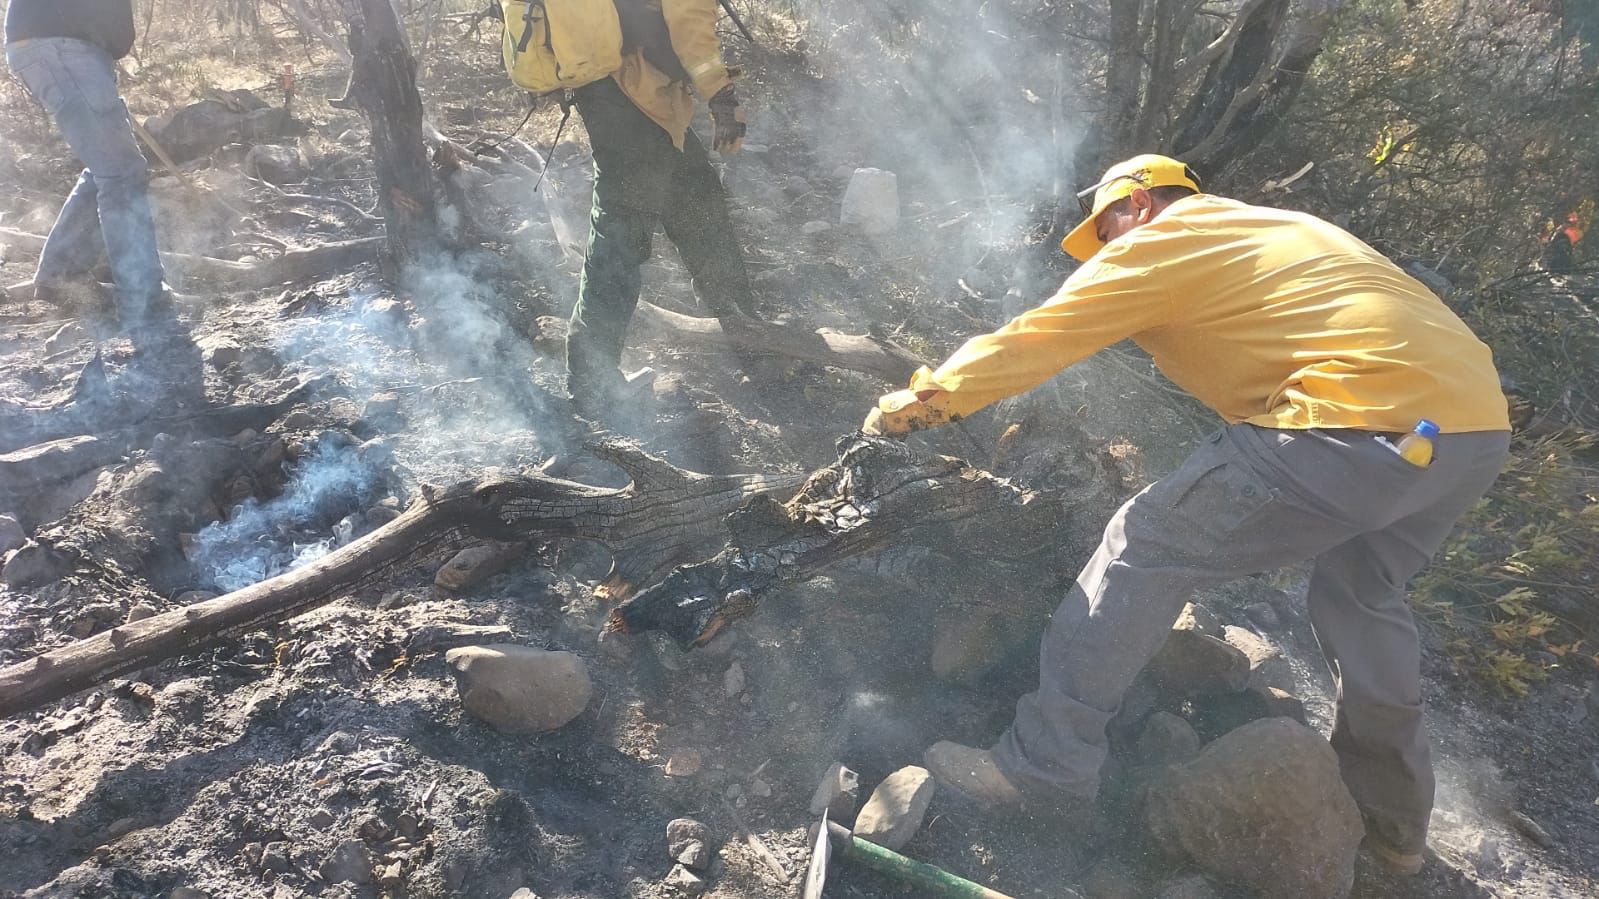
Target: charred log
662 517
879 494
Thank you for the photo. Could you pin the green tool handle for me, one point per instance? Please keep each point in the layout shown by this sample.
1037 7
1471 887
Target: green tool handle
935 882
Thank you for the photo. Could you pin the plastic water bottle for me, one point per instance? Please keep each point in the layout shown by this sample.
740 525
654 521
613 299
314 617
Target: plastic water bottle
1416 447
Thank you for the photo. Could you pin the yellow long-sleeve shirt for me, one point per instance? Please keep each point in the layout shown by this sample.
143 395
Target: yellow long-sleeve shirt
1271 317
692 27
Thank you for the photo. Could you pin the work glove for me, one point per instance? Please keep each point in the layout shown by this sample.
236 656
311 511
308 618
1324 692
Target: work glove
899 413
728 116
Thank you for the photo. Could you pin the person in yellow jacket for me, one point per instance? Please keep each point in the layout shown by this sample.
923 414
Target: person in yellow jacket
1320 354
650 170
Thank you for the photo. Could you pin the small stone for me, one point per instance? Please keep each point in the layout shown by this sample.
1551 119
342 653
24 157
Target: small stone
688 843
190 597
684 882
734 791
520 689
760 789
843 172
141 611
871 202
683 763
1532 830
220 350
11 534
1166 739
322 819
382 409
390 876
351 862
275 856
524 893
188 893
837 793
476 564
895 811
811 229
733 682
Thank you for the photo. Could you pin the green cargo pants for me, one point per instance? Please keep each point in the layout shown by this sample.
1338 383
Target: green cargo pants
642 180
1254 499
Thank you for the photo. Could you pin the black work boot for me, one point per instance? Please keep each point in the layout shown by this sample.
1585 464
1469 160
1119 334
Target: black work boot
612 401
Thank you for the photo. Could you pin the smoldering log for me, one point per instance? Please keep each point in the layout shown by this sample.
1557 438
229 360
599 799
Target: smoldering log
662 517
880 494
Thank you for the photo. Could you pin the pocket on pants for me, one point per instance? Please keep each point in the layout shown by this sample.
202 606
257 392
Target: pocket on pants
93 76
1222 497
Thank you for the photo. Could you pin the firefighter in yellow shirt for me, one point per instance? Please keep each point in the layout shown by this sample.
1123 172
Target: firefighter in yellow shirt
1319 353
650 170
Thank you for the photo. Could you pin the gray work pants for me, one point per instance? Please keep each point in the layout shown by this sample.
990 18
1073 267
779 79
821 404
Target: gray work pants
1250 500
109 210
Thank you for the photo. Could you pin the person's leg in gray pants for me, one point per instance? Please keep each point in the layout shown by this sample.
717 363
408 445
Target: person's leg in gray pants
1250 500
75 82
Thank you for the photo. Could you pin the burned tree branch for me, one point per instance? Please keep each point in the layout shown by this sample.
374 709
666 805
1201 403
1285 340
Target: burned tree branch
879 494
663 515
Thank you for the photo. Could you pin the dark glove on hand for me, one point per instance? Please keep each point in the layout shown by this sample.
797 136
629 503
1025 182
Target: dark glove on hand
729 118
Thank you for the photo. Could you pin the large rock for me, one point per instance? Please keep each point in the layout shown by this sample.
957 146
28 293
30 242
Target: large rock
689 843
476 564
520 689
1194 664
1264 807
32 565
351 862
1166 739
871 202
277 164
897 807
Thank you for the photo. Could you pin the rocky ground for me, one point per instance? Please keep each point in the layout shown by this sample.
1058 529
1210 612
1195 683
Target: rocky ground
365 749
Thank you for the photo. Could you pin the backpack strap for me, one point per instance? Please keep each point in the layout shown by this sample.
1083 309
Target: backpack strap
567 102
527 27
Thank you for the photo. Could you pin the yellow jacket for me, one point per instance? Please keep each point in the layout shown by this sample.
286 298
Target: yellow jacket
1271 317
692 26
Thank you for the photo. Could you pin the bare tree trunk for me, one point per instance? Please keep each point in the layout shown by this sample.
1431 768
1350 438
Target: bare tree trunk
383 85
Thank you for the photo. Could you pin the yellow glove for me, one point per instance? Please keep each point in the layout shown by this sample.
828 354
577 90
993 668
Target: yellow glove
901 412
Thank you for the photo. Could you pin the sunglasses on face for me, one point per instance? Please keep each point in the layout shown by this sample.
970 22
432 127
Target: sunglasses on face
1085 197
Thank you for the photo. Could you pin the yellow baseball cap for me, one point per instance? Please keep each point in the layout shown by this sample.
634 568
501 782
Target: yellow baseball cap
1146 171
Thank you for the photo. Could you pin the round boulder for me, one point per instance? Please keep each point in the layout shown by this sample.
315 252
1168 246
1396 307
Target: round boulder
1263 806
520 689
